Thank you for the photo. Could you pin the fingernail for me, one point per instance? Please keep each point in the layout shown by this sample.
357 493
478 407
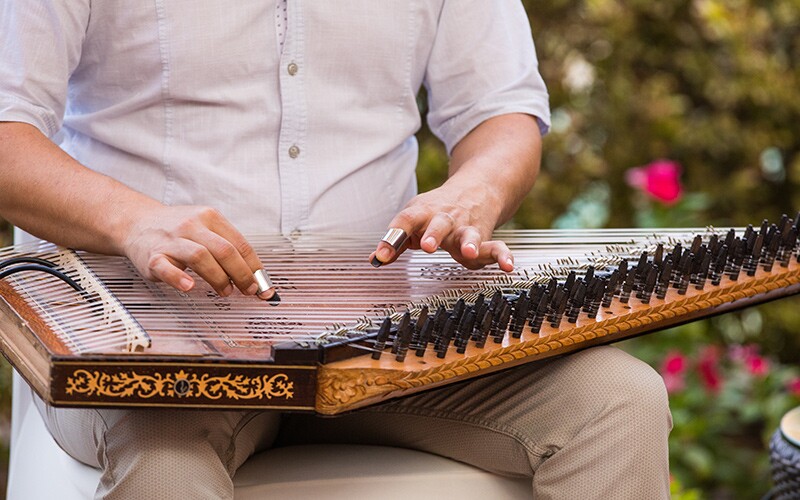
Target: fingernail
430 241
383 255
472 246
228 290
271 296
252 289
510 262
186 284
267 294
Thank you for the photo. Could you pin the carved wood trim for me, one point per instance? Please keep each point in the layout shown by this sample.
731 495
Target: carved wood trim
345 386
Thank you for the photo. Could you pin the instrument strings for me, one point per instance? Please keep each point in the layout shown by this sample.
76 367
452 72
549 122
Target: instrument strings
326 283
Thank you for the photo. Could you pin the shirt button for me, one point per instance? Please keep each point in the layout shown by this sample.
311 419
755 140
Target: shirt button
292 69
294 152
295 234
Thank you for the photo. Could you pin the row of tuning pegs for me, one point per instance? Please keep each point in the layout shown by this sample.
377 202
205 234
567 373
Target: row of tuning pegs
488 319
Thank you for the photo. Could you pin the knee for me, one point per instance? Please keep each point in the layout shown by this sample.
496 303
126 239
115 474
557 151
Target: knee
166 454
145 431
621 384
631 388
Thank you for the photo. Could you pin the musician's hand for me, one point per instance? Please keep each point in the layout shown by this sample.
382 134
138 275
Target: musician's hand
456 217
491 170
163 241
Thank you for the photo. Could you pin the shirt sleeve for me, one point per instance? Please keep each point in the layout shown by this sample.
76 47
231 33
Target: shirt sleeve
483 64
40 46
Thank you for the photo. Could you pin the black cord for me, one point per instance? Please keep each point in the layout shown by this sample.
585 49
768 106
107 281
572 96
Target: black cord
45 269
26 260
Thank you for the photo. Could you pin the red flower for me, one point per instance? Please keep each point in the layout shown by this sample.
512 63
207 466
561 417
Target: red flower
708 367
672 370
661 180
794 387
748 355
757 365
674 363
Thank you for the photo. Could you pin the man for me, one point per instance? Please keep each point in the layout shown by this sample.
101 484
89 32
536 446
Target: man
183 125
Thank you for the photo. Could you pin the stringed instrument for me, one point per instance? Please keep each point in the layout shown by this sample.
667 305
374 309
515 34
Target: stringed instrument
89 330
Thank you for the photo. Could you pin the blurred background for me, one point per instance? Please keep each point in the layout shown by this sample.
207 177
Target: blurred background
670 113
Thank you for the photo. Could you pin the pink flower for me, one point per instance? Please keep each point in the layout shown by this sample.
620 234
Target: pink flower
661 180
674 383
672 370
794 387
674 363
742 353
708 367
748 355
757 366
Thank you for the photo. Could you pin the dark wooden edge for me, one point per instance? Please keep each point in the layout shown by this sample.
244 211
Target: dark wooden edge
182 385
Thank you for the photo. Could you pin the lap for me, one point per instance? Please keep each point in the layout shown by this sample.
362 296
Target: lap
89 435
510 423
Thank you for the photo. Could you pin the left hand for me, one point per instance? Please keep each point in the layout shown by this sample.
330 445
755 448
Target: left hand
457 217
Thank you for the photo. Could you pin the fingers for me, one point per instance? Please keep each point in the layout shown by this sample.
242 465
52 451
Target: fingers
410 221
448 227
469 242
223 228
225 257
467 247
440 227
201 239
197 257
233 254
163 269
386 253
498 252
489 252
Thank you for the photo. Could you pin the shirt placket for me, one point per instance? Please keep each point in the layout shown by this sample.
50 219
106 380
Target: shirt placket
294 118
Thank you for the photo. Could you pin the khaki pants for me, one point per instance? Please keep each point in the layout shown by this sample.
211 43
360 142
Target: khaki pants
590 425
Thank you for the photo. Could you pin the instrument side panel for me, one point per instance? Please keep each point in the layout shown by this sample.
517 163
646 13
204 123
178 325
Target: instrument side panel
173 383
21 346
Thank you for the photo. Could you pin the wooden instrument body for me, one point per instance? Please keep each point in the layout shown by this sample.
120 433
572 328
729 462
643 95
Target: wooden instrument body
361 381
207 352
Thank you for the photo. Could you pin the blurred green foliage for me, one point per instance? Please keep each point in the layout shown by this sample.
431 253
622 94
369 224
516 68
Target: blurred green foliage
725 404
711 84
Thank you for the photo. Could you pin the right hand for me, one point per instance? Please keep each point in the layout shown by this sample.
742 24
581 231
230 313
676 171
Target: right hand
458 217
164 240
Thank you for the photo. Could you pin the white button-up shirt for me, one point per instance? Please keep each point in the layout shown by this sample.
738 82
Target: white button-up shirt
303 127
